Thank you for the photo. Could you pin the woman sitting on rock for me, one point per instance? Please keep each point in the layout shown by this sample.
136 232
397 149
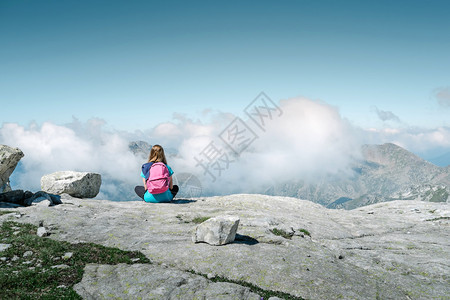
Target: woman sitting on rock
157 178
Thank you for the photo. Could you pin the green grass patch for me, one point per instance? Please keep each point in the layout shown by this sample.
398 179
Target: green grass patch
265 294
26 266
440 195
199 220
181 219
440 218
306 232
4 212
282 233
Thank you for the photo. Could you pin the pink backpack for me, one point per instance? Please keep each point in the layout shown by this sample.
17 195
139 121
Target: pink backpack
158 180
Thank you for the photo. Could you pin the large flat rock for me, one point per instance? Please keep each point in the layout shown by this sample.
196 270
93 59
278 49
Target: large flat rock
393 250
143 281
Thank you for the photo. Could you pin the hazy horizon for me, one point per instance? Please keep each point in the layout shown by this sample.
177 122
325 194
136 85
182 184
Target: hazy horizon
317 144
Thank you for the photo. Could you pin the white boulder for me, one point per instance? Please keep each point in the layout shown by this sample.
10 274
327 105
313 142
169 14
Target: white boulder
76 184
42 231
9 157
217 231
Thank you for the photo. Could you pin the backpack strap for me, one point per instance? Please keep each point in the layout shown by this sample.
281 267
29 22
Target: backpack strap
146 169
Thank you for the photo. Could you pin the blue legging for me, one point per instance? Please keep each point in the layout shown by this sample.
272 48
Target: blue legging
167 196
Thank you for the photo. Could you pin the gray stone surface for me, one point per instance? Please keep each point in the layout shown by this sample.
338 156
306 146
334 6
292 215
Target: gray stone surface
9 157
217 231
61 266
76 184
145 281
392 250
3 247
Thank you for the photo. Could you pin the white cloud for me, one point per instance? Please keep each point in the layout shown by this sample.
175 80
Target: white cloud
78 147
309 140
167 129
417 140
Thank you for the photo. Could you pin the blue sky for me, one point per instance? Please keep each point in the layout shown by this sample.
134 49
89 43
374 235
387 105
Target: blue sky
136 63
79 80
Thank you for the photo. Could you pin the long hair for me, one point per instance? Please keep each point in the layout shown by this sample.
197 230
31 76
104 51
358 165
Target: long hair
157 154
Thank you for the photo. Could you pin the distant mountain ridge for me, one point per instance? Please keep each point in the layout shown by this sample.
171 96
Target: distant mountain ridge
142 149
388 172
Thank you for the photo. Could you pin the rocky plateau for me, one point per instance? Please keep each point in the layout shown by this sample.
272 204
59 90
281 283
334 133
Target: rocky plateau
392 250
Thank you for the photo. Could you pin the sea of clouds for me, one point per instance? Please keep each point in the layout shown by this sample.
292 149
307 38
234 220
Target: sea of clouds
304 140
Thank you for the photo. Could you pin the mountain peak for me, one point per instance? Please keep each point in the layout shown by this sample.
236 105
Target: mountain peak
390 154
